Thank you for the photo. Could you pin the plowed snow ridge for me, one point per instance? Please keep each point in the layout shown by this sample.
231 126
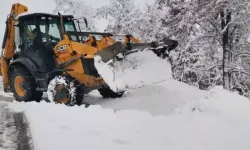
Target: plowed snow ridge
141 69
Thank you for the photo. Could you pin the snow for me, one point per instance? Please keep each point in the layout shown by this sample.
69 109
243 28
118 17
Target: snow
2 93
7 136
101 24
159 99
219 121
234 106
106 71
156 112
148 82
125 73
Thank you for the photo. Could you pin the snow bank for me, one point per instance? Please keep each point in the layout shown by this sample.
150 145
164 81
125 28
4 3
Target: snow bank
135 70
149 83
219 121
222 102
2 93
158 99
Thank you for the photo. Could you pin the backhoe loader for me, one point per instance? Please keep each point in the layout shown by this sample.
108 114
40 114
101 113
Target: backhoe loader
46 53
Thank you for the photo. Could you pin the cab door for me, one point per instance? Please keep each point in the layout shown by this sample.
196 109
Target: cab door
32 45
36 44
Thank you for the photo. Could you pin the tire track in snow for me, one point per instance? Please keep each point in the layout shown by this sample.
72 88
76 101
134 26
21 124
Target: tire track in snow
6 99
23 138
14 131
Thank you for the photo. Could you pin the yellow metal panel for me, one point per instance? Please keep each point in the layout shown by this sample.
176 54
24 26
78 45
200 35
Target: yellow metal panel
8 51
83 48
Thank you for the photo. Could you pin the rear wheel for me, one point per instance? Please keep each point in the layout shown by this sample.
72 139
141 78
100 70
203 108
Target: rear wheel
65 90
108 93
23 85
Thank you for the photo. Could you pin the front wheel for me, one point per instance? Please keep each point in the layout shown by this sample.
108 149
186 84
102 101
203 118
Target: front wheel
64 90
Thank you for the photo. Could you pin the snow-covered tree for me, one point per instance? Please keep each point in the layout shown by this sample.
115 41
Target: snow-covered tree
229 20
123 16
210 35
80 10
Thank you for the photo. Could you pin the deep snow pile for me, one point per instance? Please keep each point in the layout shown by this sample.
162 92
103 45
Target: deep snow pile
137 69
219 121
148 82
220 102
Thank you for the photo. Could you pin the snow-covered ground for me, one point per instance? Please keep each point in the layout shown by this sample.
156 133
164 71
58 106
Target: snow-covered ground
14 131
156 113
219 121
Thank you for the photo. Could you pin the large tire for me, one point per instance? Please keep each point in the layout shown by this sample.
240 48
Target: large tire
108 93
23 85
65 90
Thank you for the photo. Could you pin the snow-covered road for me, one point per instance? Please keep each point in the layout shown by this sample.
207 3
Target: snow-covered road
159 99
219 121
14 130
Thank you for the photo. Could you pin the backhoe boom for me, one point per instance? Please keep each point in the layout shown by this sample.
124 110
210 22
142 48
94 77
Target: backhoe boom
8 44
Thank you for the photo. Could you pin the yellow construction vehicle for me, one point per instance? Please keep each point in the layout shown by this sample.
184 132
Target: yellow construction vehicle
45 52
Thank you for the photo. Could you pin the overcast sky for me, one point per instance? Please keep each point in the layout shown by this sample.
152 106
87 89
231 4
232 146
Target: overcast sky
47 6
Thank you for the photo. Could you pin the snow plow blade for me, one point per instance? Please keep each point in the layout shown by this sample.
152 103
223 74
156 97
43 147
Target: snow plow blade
161 49
112 51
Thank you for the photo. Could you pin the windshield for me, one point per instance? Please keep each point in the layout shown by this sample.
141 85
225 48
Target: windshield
69 25
51 28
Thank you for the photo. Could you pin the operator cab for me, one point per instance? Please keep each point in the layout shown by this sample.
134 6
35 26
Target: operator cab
39 34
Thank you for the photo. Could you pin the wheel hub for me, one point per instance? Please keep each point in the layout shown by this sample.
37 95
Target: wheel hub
62 94
20 86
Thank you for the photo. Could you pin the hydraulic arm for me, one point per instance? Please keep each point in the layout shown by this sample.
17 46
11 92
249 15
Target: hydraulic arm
8 45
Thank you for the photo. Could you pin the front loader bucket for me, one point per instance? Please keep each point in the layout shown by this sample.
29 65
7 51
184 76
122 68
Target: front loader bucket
161 49
110 52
